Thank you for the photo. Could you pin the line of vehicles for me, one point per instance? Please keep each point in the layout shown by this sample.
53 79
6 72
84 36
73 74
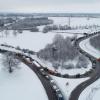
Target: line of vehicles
82 51
53 84
45 74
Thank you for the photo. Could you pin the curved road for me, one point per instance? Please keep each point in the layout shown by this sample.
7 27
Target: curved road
48 87
96 75
77 91
51 93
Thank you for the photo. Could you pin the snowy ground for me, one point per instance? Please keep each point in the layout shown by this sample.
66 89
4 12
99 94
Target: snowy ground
92 92
23 84
67 85
33 41
76 21
85 45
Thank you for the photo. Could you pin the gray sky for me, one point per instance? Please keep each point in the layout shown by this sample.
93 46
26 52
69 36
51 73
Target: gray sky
50 6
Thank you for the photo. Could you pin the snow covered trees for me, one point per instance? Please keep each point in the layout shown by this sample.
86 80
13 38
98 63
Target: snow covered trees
62 50
10 62
55 27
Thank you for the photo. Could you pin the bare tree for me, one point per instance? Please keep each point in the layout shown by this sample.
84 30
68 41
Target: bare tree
6 33
15 33
10 62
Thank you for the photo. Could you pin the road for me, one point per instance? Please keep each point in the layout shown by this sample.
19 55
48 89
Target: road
77 91
51 92
96 75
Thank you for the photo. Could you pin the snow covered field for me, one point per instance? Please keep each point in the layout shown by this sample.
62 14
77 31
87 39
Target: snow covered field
23 84
76 21
33 41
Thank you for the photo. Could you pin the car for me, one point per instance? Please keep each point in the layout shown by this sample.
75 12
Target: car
43 72
51 71
41 69
93 67
52 81
94 61
46 69
36 63
55 87
48 77
65 75
78 75
24 56
28 59
94 64
57 90
58 74
85 34
60 97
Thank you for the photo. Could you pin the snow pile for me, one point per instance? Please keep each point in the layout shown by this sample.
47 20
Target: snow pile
23 84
